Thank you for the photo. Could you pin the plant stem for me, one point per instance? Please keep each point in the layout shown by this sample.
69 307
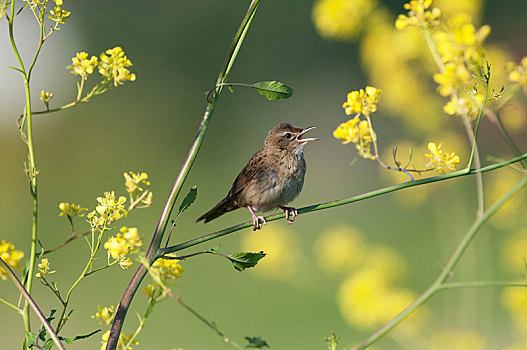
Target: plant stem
340 202
439 283
482 284
32 304
154 248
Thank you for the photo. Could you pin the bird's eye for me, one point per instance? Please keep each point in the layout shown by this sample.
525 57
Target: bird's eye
288 135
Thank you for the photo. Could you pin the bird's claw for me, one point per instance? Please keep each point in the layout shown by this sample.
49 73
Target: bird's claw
256 222
290 214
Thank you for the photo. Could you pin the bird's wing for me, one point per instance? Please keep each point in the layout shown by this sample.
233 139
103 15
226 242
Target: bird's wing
248 173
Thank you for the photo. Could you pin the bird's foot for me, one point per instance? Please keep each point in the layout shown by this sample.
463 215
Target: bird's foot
290 214
256 222
256 219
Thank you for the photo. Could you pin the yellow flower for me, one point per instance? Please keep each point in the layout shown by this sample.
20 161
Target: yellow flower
43 268
514 252
70 210
113 65
105 314
367 300
515 301
362 101
359 132
46 97
133 180
123 339
442 162
58 15
82 65
518 73
280 245
341 19
108 210
117 247
131 236
11 257
419 14
339 249
457 340
125 263
167 269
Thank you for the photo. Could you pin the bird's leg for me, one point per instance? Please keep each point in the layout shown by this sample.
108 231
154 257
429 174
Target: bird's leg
290 213
256 219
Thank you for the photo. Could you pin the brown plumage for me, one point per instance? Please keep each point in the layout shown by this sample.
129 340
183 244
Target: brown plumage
273 177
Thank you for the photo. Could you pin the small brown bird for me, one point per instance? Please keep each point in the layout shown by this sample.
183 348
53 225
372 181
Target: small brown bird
273 177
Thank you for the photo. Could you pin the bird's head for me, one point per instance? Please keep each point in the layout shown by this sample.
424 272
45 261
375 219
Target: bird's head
287 137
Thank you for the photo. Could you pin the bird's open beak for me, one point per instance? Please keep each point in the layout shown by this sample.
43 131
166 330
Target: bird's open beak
304 141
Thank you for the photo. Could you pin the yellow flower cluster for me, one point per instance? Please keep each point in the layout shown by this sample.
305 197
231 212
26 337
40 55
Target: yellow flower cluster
122 244
71 210
108 210
167 270
122 344
515 301
419 14
58 14
105 314
518 73
368 296
11 257
460 49
132 184
113 66
43 268
362 101
442 162
359 132
341 19
82 65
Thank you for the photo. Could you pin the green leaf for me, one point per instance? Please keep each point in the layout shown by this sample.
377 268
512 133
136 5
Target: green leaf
242 261
273 90
31 339
79 337
256 342
189 199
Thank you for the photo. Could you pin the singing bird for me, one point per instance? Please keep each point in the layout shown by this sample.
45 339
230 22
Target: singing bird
273 177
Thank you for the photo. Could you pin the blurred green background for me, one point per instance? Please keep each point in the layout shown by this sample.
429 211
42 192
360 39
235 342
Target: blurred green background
291 299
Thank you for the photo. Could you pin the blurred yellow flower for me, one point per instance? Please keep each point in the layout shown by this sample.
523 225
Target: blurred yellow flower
10 256
131 236
339 249
123 340
113 65
105 314
341 19
515 301
450 8
442 162
514 117
108 210
518 73
457 340
58 15
282 248
359 132
70 210
133 180
419 14
43 268
386 261
83 66
367 300
514 253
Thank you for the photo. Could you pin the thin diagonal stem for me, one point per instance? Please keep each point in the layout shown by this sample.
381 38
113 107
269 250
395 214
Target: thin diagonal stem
154 248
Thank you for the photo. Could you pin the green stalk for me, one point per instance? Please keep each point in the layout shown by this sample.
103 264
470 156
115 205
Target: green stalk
31 170
439 283
154 248
340 202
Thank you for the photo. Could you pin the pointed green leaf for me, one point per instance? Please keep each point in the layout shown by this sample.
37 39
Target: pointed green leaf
31 339
79 337
256 342
189 198
242 261
273 90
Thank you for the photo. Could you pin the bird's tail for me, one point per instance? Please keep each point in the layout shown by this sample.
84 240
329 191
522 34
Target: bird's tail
225 206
